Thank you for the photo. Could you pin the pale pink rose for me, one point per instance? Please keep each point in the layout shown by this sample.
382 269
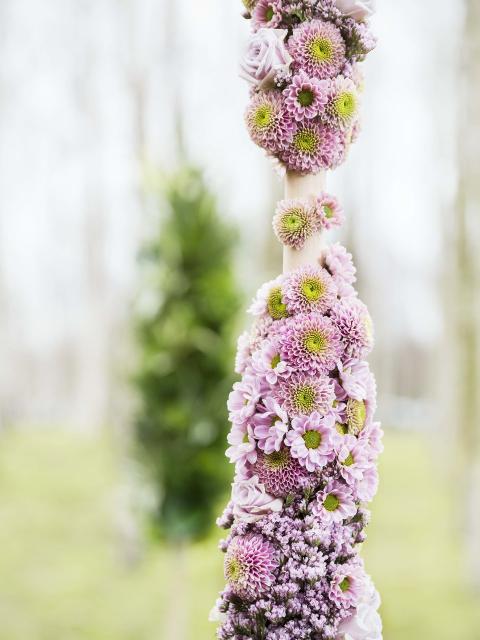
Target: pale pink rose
266 56
250 500
357 9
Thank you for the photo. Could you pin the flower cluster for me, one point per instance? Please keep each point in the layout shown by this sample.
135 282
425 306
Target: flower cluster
304 443
302 63
297 220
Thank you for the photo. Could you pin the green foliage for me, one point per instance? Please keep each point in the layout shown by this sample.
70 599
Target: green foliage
185 329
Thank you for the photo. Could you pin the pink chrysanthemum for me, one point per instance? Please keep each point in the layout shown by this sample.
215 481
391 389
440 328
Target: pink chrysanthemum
355 378
347 585
294 222
306 97
280 473
340 265
309 289
310 440
267 13
270 425
343 103
243 447
312 147
335 503
318 48
269 300
311 343
302 395
330 212
243 399
350 316
267 363
249 565
243 352
267 122
353 460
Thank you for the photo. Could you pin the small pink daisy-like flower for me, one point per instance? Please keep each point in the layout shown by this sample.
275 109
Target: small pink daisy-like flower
318 48
267 13
339 264
270 425
343 103
371 437
267 363
280 473
310 441
249 565
353 460
243 399
269 301
302 395
309 289
267 122
243 352
355 377
335 503
306 97
243 447
367 487
350 316
294 222
311 147
311 343
330 213
347 585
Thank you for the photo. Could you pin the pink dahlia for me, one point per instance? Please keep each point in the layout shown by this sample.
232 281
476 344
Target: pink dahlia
339 264
329 211
267 363
270 425
294 222
243 447
249 565
335 503
306 97
311 343
267 122
348 584
309 289
302 395
310 440
280 473
350 316
267 13
311 147
318 48
343 103
353 459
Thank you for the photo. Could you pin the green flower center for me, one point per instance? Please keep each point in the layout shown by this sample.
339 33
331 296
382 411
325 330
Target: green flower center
263 116
312 439
356 415
269 13
341 428
331 502
328 211
306 141
304 398
345 105
277 460
344 584
245 439
312 289
275 306
305 97
320 49
315 342
292 222
233 569
348 460
275 361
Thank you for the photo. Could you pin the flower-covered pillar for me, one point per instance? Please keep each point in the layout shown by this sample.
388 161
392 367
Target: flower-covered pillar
303 436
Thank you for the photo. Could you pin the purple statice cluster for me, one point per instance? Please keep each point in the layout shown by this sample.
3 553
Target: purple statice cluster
302 63
305 443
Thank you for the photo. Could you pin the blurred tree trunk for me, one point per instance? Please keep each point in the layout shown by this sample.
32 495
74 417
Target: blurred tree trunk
464 305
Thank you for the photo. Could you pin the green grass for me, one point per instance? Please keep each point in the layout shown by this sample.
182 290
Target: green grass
62 577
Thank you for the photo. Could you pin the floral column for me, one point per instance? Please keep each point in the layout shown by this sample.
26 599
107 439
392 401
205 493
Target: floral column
303 437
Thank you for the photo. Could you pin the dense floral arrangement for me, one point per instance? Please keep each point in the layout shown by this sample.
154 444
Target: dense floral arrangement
303 438
302 65
304 443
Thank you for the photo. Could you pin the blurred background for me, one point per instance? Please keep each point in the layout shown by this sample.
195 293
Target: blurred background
135 225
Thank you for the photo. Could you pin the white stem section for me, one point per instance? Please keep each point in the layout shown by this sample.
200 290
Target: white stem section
298 186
